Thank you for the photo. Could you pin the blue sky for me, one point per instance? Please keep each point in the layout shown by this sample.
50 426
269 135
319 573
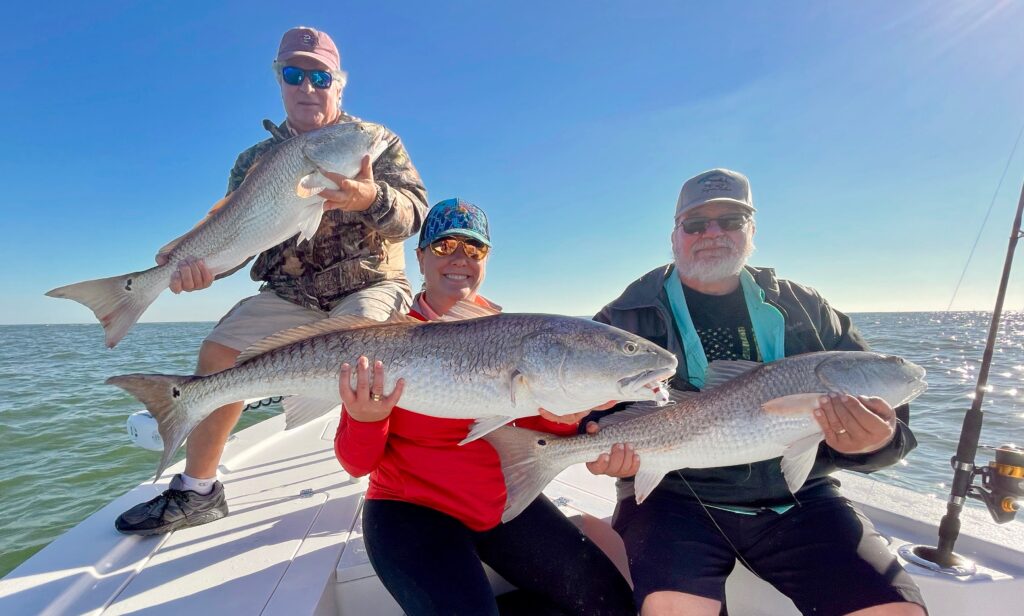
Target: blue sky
874 134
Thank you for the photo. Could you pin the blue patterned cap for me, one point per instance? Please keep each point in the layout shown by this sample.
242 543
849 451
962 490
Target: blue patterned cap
454 217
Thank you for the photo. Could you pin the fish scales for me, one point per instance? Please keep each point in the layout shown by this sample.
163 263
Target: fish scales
497 367
762 414
277 200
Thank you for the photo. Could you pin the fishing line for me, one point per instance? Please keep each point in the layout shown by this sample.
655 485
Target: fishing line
722 532
985 220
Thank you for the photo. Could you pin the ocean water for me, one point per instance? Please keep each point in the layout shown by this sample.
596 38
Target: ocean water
65 452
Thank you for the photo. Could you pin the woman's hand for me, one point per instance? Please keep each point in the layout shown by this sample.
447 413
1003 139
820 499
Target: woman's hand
571 418
620 461
367 402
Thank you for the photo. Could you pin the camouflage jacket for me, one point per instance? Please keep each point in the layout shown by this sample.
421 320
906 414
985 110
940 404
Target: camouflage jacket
351 250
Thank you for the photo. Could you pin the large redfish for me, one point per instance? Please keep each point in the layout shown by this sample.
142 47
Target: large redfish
277 199
748 412
493 368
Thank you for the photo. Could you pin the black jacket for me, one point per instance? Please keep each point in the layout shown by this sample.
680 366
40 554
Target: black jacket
811 325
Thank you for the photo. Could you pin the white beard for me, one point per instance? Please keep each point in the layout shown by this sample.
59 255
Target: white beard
715 269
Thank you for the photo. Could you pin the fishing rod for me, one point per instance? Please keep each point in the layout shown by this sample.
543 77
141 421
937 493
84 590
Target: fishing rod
1002 480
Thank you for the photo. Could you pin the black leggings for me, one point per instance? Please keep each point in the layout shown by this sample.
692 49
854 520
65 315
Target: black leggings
431 563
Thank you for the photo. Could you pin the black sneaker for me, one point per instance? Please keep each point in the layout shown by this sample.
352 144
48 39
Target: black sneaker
175 508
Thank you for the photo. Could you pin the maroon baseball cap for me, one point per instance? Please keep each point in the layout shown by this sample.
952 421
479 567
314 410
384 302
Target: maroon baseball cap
310 43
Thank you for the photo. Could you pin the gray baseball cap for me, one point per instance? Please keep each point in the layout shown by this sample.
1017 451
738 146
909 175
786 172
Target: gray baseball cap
715 186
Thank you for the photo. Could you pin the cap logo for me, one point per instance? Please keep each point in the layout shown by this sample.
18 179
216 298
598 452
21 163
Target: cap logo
307 40
716 183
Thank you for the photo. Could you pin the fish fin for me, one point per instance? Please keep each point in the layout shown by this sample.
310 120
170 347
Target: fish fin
216 206
483 426
525 465
646 407
795 404
722 371
289 336
117 302
300 410
675 396
517 384
310 222
166 398
798 459
313 184
647 478
632 411
465 309
398 317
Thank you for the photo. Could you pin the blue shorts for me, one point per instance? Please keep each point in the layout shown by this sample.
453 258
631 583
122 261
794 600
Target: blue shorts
673 545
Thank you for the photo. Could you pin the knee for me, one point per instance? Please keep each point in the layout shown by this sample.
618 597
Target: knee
891 609
214 357
672 603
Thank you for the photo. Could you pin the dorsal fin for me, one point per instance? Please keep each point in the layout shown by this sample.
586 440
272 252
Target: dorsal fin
465 309
639 409
326 326
169 246
723 370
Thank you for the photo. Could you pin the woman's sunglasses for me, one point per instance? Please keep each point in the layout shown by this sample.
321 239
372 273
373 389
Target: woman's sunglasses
729 222
294 76
447 246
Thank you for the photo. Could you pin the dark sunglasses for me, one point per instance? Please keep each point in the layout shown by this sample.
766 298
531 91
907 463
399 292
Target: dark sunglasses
446 246
729 222
294 75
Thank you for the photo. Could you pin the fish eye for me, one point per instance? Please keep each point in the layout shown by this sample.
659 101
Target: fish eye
630 347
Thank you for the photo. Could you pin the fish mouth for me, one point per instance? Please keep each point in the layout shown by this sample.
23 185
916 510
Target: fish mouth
652 380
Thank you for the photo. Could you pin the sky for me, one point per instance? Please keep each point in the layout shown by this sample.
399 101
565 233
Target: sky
874 134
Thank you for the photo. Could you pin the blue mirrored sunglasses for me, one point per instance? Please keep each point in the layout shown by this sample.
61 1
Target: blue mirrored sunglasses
294 75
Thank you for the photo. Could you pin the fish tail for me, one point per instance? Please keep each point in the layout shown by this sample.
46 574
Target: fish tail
117 302
526 464
165 397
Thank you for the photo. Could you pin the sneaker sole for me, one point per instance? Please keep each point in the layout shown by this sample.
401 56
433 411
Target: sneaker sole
204 518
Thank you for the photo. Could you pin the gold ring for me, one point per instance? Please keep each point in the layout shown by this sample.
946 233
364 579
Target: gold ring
378 398
841 431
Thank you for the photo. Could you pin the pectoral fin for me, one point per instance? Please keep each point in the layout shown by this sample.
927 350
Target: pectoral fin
797 404
300 410
310 221
483 426
312 184
646 480
518 386
798 459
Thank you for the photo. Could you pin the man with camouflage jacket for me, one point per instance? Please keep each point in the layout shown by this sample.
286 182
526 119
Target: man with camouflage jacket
354 265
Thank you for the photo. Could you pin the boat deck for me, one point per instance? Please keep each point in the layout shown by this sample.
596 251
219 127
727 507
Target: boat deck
293 544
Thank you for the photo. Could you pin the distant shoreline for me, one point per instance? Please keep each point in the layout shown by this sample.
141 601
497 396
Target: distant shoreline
988 311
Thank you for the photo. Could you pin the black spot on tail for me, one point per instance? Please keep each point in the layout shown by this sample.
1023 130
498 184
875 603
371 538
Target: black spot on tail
541 442
128 285
175 392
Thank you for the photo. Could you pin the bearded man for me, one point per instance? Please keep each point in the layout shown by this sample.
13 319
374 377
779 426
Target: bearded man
684 540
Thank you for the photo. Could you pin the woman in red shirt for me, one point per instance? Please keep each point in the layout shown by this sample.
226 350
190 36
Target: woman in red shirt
433 508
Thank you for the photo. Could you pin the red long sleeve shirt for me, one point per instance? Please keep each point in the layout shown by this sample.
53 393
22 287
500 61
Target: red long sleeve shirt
416 458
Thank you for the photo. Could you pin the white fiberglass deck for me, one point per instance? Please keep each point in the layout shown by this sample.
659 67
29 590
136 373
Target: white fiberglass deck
292 544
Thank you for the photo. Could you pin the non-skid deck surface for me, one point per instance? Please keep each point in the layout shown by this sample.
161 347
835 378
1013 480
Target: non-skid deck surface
292 506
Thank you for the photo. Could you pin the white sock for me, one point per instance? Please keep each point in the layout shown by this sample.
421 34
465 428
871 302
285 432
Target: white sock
200 486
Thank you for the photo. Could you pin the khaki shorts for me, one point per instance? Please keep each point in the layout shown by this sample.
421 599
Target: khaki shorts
264 314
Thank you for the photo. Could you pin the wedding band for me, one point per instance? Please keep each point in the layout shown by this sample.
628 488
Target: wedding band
378 398
841 431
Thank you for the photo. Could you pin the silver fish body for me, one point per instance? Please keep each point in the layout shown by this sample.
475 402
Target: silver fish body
278 199
747 413
498 367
